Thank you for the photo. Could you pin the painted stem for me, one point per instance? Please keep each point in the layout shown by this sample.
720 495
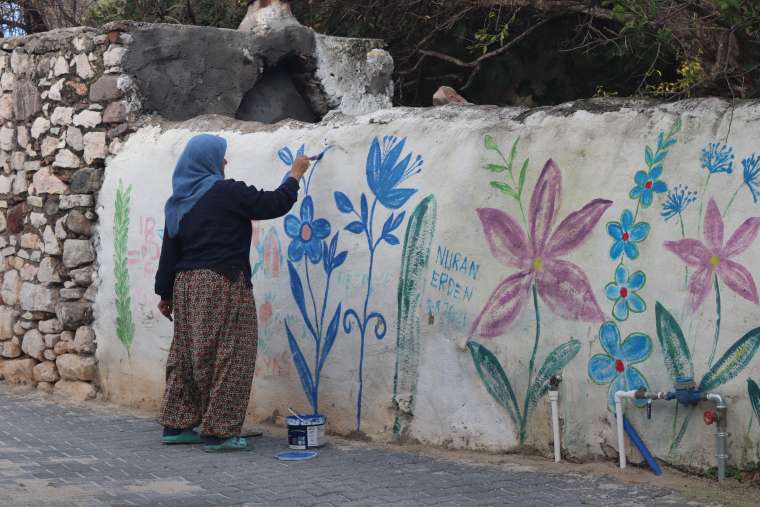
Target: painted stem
717 323
363 333
363 326
526 406
702 203
514 185
538 335
686 268
733 198
313 304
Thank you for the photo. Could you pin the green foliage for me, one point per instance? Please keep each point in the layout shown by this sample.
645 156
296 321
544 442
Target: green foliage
125 326
493 32
220 13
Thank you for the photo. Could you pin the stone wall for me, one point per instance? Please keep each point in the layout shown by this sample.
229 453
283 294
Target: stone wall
64 109
70 98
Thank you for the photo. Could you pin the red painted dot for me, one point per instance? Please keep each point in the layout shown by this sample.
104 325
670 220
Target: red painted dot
649 185
626 236
623 292
619 366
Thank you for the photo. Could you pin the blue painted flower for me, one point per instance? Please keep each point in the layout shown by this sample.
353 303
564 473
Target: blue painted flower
626 234
385 172
718 158
287 156
676 202
623 292
647 184
615 367
306 233
751 166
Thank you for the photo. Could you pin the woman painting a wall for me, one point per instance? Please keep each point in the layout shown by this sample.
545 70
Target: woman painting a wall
203 280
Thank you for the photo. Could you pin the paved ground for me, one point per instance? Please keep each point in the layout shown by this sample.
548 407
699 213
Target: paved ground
94 455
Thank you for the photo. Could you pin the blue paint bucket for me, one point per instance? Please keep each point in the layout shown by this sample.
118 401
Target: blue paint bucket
306 431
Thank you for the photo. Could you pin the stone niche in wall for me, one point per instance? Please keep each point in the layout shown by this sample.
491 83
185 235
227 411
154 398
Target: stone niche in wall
272 69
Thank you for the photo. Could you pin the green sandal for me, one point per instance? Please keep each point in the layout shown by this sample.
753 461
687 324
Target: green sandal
231 444
186 437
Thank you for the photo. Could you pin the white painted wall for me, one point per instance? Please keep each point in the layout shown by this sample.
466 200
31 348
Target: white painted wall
598 154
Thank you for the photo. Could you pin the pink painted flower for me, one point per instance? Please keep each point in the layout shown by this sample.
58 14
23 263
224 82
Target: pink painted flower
562 285
713 257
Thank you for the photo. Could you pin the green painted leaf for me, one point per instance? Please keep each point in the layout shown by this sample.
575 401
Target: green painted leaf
495 168
736 358
414 261
496 381
754 396
674 347
523 173
125 326
553 364
513 153
490 143
498 185
648 156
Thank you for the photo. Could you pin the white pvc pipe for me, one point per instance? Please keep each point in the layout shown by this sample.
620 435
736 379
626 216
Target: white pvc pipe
619 395
554 399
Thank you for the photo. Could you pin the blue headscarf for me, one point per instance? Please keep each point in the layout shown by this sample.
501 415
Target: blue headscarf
199 168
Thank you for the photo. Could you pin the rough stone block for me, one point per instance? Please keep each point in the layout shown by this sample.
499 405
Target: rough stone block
37 298
75 367
77 252
73 315
75 390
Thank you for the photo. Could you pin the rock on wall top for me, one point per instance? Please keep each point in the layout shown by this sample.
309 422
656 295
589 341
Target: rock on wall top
257 72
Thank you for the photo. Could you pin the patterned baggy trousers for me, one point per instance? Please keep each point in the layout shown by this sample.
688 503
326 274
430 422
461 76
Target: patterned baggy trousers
209 371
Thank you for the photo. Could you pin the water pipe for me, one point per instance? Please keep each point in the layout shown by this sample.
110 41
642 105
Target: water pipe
554 399
721 435
619 395
687 394
636 439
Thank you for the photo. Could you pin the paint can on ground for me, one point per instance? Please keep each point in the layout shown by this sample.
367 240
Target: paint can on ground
306 431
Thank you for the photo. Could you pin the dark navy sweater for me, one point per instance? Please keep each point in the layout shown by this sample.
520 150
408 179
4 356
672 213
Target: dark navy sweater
216 233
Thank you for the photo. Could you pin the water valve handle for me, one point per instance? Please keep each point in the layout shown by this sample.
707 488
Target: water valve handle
649 409
710 417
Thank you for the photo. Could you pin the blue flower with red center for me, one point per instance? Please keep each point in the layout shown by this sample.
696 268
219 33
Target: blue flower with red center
306 233
615 367
623 291
626 234
647 184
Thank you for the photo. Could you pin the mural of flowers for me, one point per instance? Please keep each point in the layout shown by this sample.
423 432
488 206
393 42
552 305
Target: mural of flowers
306 233
535 250
678 199
386 170
647 184
678 361
615 366
562 285
308 246
750 179
751 175
713 262
626 234
718 158
623 291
